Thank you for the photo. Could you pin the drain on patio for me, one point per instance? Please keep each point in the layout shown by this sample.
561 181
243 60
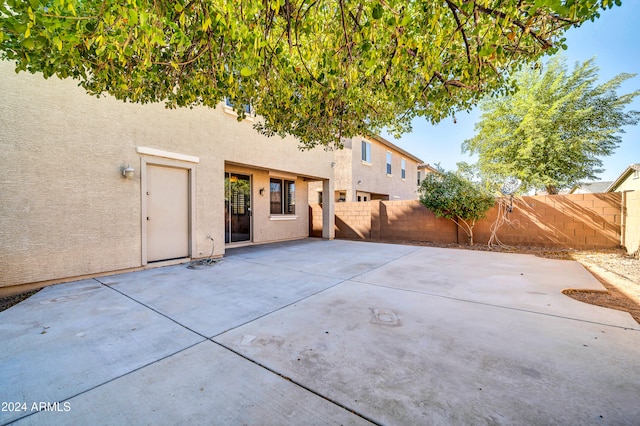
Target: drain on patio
385 317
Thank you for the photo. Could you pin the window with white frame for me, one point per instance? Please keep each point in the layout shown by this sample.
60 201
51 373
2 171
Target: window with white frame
419 182
403 167
229 103
282 196
366 152
388 162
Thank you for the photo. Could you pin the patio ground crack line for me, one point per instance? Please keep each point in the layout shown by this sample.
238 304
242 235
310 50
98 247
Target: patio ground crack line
151 309
308 389
496 306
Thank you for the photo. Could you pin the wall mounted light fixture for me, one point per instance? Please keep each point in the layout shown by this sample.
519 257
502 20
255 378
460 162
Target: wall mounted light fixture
261 191
127 172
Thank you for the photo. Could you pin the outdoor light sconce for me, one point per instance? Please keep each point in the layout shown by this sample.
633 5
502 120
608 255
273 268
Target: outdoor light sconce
127 172
261 191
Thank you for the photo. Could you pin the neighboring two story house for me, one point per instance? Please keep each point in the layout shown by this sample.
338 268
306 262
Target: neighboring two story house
94 185
423 170
629 180
370 168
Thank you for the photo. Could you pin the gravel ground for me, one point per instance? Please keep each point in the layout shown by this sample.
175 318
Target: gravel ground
7 302
618 272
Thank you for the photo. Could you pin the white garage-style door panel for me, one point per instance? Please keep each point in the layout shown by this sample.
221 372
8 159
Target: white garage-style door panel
167 213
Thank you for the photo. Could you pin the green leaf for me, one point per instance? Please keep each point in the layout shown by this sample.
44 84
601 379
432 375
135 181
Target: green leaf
27 43
376 13
133 17
380 71
206 24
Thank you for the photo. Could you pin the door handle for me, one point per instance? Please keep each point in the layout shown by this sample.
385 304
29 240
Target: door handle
148 218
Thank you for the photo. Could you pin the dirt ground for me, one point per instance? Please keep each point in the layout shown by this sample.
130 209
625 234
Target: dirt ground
618 272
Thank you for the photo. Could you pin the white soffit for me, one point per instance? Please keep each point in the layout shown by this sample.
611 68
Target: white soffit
282 175
166 154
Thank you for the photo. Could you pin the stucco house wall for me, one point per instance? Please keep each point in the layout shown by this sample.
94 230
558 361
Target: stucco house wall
631 222
354 177
66 210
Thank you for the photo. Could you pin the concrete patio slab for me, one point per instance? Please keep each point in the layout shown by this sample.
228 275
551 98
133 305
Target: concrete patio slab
342 259
216 298
70 338
203 385
518 281
319 331
401 357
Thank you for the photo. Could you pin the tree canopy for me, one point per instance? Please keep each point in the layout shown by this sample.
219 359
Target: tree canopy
451 195
553 130
316 69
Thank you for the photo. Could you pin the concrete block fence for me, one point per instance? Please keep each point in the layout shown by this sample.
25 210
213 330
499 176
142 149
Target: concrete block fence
581 221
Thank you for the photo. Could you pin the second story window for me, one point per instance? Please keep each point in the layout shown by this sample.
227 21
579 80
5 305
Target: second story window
388 163
366 152
228 102
403 166
419 181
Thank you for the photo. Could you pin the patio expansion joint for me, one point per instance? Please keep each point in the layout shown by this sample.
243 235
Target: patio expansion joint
151 309
493 305
204 339
68 398
276 310
257 262
306 297
295 382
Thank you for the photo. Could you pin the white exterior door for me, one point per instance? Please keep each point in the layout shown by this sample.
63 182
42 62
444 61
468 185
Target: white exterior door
167 213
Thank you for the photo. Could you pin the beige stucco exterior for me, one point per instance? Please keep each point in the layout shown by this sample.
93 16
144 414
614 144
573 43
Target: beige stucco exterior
369 180
629 180
67 211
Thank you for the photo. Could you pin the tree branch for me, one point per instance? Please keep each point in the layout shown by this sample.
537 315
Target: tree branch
543 42
344 30
460 28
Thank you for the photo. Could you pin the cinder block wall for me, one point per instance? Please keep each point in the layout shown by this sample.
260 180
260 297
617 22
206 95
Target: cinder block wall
352 220
573 221
632 222
581 221
410 220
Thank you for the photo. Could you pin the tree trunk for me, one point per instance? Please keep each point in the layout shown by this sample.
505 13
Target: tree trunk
552 190
468 229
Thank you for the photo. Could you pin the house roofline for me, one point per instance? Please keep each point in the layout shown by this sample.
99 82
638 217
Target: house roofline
429 167
616 183
396 147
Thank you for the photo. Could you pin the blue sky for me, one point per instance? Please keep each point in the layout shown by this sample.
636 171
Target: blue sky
613 40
